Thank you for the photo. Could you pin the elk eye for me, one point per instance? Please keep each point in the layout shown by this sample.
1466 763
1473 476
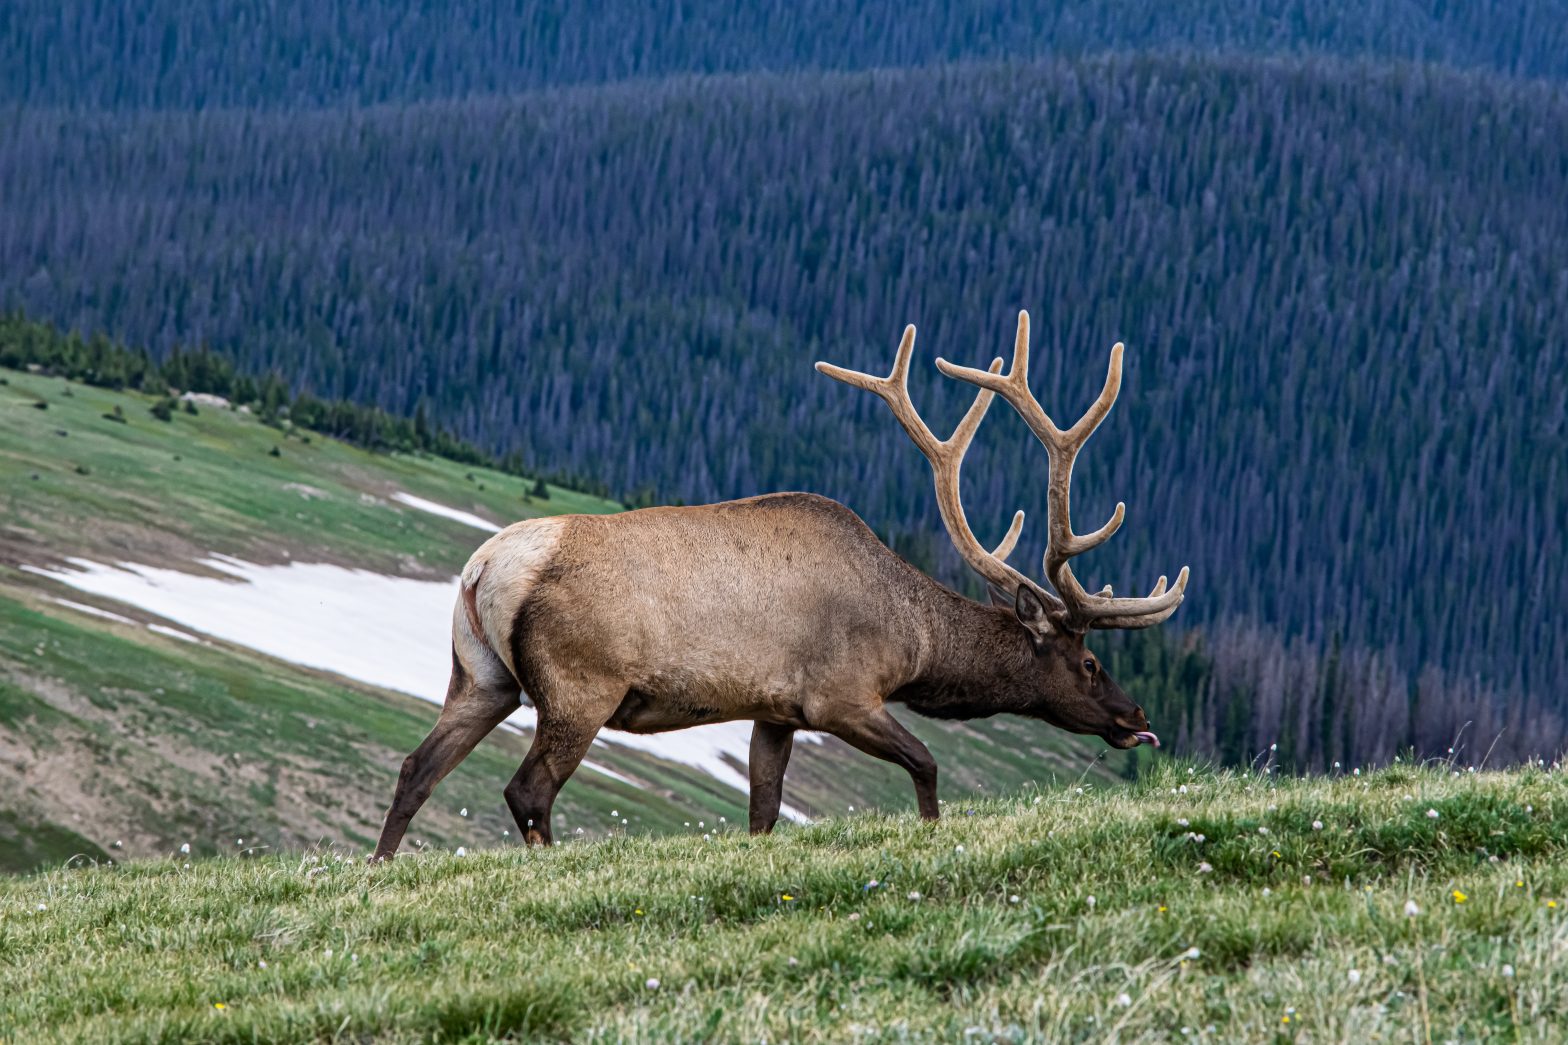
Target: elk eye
1090 666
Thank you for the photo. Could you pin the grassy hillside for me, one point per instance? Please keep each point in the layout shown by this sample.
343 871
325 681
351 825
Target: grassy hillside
73 481
113 732
1407 904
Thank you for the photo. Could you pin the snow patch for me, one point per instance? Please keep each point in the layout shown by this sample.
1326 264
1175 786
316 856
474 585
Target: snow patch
392 632
442 510
91 611
176 633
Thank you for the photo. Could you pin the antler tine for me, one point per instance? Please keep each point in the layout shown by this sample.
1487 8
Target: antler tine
946 459
1081 609
1147 612
1010 541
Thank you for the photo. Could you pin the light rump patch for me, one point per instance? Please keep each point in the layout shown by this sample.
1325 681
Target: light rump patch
503 572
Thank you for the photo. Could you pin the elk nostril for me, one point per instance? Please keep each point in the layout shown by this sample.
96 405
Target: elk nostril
1135 721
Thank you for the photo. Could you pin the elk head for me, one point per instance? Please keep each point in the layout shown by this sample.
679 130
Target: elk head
1069 687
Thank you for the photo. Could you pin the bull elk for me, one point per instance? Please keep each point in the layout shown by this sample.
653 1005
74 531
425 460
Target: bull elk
786 610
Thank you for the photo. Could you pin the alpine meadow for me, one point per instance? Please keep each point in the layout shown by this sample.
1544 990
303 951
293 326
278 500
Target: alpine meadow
476 372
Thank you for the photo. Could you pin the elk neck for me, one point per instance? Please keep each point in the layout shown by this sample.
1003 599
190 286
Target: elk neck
980 663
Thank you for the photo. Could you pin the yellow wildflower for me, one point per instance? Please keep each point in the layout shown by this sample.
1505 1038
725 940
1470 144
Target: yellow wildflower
1459 897
786 896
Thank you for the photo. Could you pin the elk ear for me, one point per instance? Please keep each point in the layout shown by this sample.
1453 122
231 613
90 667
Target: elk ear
1030 611
999 598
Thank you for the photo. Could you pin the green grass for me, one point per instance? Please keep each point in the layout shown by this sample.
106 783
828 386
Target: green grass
1052 917
198 483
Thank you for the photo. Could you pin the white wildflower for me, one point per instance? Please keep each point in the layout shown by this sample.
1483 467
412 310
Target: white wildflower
1431 814
1205 867
1411 910
652 984
1124 999
1317 825
1354 976
460 851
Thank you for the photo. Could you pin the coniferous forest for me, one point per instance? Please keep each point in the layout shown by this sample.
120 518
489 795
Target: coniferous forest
1338 258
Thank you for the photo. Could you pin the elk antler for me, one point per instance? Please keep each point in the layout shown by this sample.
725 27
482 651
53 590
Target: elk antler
946 458
1080 609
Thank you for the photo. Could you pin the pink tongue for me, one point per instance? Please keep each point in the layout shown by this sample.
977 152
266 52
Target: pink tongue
1148 738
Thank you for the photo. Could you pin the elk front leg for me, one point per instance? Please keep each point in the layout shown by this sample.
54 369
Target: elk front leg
771 745
878 733
468 716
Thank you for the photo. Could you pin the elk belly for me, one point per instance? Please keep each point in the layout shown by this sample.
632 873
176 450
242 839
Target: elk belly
643 712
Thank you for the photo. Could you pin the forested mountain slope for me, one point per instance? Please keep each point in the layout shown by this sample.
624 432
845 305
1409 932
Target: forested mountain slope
165 54
1344 290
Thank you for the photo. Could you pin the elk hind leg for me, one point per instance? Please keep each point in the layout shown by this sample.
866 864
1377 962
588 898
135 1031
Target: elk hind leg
471 711
563 736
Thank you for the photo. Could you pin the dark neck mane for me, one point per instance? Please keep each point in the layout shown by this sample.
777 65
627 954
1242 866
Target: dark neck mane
982 663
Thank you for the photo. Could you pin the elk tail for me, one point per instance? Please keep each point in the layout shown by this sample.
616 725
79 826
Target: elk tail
471 605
